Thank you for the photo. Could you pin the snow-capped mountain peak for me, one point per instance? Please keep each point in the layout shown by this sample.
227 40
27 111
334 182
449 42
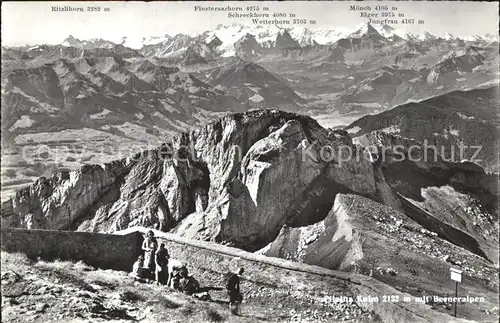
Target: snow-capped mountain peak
491 37
139 42
419 36
365 29
326 36
304 36
385 30
72 42
448 36
222 40
475 38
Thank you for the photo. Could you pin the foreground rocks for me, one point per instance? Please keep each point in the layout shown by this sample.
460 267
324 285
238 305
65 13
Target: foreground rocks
358 230
362 236
66 292
457 200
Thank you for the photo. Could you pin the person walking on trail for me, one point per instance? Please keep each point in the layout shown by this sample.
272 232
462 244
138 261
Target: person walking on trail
161 261
233 289
149 245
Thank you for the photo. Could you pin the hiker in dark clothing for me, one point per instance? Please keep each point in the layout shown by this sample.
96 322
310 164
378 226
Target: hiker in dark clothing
233 289
161 261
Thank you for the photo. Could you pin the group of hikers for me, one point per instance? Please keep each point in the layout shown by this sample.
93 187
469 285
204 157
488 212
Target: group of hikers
157 265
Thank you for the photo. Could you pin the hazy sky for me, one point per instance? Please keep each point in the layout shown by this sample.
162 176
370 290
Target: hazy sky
36 23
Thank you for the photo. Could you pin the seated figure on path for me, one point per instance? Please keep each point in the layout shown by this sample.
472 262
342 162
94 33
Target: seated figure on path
161 260
149 245
137 268
187 283
174 269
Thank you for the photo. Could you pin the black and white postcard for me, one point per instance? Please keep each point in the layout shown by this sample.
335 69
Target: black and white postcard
234 161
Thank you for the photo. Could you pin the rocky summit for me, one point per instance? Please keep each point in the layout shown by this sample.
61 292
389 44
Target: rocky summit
259 168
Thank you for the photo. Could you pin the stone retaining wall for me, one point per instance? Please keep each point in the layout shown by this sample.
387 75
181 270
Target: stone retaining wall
96 249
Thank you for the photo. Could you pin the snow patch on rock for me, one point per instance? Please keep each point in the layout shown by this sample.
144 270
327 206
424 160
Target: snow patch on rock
23 122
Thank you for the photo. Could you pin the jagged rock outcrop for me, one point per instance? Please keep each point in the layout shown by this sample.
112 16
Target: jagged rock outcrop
247 47
285 41
57 202
213 42
283 177
191 56
237 180
366 37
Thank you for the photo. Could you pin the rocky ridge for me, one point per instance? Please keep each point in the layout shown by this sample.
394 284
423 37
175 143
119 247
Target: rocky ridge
240 179
232 165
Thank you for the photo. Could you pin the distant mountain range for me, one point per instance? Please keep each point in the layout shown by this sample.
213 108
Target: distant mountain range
225 40
267 36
